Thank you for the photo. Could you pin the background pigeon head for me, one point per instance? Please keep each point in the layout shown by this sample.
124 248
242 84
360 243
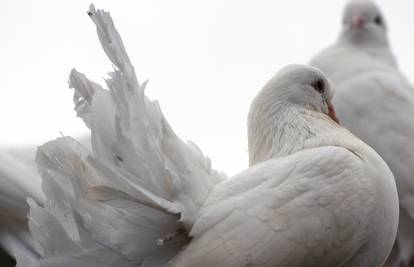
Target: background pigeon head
364 23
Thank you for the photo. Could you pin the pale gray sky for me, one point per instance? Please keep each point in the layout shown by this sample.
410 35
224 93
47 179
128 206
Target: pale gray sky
205 60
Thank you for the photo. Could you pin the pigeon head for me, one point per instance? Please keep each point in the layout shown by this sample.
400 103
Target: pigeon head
364 23
293 106
300 85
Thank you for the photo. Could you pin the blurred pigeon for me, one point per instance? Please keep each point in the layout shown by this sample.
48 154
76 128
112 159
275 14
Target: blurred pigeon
376 102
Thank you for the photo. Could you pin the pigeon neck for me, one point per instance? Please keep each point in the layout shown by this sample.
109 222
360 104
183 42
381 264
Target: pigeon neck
283 129
364 39
374 50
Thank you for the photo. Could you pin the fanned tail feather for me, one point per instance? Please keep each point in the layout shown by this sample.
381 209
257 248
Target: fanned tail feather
133 199
18 180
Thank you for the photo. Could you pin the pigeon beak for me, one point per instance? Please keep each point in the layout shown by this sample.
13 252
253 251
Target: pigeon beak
331 112
357 22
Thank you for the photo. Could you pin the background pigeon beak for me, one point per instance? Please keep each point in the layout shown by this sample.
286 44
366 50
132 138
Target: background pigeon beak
331 112
357 22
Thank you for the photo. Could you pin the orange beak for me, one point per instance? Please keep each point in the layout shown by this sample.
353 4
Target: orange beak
331 112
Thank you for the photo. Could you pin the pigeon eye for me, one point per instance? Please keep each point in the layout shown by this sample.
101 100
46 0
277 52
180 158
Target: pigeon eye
378 20
318 85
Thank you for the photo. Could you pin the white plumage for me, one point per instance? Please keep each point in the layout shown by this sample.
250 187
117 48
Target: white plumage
376 102
18 180
315 195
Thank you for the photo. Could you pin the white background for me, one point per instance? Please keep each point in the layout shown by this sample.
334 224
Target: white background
206 60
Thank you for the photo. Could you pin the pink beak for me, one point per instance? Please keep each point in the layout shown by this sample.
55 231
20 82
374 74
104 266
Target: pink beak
357 22
331 113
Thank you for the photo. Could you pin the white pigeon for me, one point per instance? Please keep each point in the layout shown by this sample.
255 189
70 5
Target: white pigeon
315 195
375 102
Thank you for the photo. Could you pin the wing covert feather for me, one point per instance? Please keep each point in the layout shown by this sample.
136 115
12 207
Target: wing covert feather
297 205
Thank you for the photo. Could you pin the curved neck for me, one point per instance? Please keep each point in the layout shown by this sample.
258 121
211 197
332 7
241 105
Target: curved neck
376 47
283 128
